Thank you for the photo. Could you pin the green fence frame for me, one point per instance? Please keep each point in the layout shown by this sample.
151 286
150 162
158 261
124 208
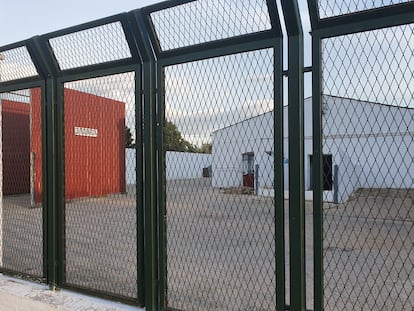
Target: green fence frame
148 61
141 37
322 28
51 78
244 43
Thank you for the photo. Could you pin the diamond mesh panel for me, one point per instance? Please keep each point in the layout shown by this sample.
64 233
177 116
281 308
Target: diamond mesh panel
203 21
21 231
16 64
100 209
368 129
92 46
329 8
218 137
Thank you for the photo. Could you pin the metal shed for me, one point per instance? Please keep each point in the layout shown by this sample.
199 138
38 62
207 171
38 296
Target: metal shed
94 145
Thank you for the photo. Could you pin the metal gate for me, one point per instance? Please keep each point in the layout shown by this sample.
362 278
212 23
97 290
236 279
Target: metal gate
212 235
154 157
362 97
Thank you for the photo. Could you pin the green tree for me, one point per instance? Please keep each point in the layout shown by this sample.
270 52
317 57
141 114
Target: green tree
128 137
205 148
174 141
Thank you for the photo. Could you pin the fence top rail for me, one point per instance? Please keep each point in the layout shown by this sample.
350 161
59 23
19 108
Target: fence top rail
104 43
360 16
166 30
180 27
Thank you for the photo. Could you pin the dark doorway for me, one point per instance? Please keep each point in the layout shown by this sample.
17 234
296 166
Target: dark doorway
327 177
248 169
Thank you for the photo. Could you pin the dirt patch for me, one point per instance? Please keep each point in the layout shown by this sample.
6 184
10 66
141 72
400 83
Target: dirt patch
239 190
382 193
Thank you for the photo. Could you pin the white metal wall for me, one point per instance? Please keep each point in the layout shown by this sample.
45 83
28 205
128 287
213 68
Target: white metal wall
365 147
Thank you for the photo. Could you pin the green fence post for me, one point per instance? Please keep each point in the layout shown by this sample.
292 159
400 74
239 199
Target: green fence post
161 189
139 173
296 156
53 225
149 169
317 174
49 185
279 178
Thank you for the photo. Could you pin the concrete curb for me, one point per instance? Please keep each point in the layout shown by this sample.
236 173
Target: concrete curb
20 295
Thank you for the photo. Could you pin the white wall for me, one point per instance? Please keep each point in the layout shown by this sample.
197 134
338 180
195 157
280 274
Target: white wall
130 173
179 165
252 135
372 145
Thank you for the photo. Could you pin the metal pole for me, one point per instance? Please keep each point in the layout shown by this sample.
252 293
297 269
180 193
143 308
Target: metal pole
53 225
296 156
149 170
317 174
279 178
49 186
1 179
1 175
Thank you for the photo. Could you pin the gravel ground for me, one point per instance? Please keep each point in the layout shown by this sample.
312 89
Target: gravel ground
220 248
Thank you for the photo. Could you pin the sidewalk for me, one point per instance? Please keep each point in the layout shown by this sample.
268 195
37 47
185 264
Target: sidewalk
20 295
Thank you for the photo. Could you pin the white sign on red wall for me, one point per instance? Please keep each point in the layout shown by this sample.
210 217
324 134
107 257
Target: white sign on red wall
84 131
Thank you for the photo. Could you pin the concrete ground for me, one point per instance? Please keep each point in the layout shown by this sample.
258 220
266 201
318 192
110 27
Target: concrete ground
20 295
221 248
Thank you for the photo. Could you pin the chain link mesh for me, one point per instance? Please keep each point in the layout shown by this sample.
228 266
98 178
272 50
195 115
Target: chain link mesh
204 21
16 64
220 235
92 46
329 8
21 233
100 185
368 132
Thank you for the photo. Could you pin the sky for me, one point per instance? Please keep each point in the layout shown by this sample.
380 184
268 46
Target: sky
23 19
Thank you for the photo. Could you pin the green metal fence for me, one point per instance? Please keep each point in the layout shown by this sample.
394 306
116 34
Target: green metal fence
211 238
363 111
158 163
22 216
86 136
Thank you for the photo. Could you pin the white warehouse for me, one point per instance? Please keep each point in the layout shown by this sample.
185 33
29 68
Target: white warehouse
366 145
